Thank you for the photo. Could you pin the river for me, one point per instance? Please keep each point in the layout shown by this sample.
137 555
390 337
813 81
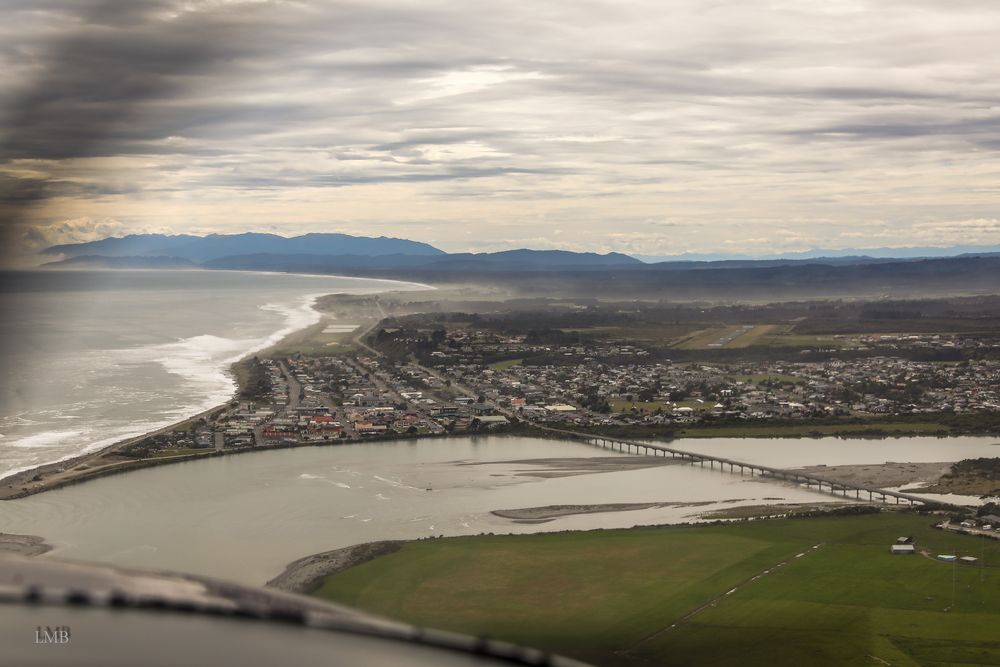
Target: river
245 517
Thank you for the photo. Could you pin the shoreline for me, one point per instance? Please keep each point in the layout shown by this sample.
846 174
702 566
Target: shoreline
59 477
550 512
89 465
106 461
305 575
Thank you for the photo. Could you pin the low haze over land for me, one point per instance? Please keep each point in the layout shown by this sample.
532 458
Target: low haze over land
655 128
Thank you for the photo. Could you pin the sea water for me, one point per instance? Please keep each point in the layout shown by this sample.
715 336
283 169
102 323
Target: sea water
91 357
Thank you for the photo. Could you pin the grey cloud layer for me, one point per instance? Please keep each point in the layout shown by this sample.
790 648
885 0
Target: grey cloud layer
776 125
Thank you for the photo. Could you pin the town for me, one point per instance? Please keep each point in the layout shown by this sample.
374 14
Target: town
405 381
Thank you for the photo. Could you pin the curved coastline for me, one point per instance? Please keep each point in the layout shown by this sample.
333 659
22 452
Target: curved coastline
419 286
105 460
94 462
87 466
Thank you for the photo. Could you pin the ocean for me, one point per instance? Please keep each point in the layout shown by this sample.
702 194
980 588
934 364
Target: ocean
92 357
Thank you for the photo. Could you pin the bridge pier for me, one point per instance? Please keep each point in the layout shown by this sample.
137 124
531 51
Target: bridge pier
834 488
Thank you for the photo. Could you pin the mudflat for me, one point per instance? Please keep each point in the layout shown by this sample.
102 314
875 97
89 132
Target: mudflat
567 467
23 545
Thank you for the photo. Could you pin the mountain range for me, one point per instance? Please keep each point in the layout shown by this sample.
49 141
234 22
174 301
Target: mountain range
324 253
917 252
546 271
214 246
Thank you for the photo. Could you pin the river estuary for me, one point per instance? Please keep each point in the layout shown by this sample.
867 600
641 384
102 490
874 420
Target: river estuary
245 517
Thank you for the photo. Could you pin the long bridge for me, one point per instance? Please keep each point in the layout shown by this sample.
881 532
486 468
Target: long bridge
821 484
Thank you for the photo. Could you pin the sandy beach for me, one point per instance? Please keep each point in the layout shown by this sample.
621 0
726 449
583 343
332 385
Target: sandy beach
106 461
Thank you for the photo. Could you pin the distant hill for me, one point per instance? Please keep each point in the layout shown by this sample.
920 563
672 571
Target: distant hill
512 260
101 262
827 256
533 259
548 272
765 282
771 263
313 263
205 248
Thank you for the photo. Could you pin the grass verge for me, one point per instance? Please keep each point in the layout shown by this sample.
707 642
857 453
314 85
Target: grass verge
615 597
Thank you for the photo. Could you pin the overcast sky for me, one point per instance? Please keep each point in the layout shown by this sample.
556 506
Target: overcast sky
657 128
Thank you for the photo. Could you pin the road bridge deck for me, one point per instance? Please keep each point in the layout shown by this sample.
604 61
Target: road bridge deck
835 487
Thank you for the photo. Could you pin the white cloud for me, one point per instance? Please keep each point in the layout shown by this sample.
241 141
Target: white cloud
653 127
76 230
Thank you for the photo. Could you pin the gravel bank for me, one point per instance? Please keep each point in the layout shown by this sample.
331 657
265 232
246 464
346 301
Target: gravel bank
549 512
306 574
882 476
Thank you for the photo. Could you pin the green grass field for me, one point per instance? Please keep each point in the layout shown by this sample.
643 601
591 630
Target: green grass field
799 341
312 342
785 430
167 453
751 337
648 406
772 377
505 364
700 340
655 335
626 597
